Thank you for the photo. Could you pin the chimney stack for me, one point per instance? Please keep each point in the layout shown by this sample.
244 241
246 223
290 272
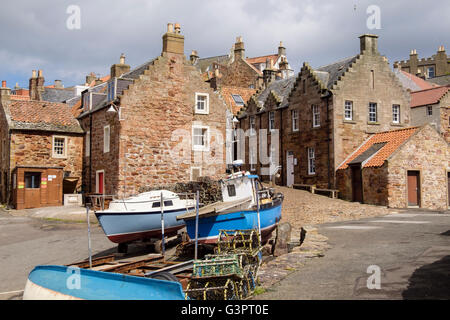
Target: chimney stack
369 43
239 50
36 85
281 49
269 74
173 41
90 77
194 57
58 84
5 93
120 68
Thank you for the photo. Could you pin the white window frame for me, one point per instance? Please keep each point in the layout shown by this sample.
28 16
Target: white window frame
206 109
316 115
311 161
87 101
56 155
106 139
348 108
197 147
271 120
192 171
87 151
428 72
373 112
295 124
395 113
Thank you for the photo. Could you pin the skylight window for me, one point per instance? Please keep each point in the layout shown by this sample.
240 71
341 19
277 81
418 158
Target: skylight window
238 99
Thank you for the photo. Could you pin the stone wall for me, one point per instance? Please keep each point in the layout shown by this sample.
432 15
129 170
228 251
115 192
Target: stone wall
151 145
308 136
239 74
428 153
356 85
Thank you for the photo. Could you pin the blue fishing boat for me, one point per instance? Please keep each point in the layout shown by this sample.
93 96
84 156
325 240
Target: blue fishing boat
68 283
239 209
139 217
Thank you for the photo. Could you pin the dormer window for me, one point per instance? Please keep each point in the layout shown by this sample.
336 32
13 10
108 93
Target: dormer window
112 89
202 103
87 101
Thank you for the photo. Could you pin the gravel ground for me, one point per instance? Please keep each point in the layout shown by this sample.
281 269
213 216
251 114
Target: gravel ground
302 208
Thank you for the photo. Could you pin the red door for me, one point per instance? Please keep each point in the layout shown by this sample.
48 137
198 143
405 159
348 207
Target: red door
100 180
413 188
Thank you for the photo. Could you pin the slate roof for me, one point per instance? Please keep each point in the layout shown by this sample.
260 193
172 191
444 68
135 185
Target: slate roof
281 88
441 80
428 96
412 82
330 73
58 95
42 115
204 63
136 72
378 148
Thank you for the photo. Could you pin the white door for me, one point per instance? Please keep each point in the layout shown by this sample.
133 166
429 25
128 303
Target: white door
290 168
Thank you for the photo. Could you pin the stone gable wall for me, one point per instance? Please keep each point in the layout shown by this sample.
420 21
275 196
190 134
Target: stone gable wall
428 153
154 137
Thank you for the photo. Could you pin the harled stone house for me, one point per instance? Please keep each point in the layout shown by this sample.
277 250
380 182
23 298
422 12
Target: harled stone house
432 106
157 124
41 148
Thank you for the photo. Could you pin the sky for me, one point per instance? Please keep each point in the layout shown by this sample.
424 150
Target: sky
68 39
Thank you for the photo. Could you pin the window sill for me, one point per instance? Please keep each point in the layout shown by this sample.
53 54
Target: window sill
202 149
349 121
373 123
201 112
397 124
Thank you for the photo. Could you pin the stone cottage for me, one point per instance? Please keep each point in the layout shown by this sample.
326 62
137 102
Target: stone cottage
402 168
41 151
159 123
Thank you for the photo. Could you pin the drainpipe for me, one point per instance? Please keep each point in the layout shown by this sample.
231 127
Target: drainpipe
90 152
281 151
329 141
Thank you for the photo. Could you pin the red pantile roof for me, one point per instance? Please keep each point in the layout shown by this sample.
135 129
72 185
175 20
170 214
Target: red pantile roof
104 79
227 91
391 139
428 96
42 115
262 59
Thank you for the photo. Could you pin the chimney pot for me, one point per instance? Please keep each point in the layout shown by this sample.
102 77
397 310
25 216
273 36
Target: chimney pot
4 84
170 28
33 74
177 28
39 73
122 59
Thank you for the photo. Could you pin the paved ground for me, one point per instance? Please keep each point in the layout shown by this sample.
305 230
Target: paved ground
26 242
412 250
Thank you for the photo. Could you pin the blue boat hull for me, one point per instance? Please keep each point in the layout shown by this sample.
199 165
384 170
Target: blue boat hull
123 227
68 283
210 226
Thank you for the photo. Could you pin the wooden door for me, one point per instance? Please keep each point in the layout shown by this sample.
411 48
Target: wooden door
100 182
54 186
413 188
356 183
32 190
290 168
